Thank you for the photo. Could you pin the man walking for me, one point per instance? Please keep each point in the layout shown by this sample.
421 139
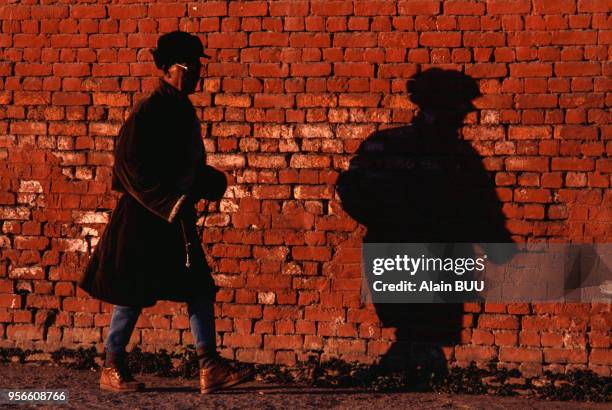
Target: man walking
150 249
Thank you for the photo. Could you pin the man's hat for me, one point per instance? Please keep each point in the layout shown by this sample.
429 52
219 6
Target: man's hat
177 46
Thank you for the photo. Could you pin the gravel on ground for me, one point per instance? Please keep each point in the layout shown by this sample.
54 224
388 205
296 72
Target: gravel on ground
179 393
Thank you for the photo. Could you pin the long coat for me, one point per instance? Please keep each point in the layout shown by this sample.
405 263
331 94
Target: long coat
160 169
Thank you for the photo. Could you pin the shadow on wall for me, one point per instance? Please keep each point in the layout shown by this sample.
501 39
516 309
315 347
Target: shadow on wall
423 183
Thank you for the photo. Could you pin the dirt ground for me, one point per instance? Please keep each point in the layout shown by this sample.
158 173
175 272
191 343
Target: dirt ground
177 393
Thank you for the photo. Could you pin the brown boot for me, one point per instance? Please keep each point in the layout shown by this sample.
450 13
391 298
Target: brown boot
116 376
216 373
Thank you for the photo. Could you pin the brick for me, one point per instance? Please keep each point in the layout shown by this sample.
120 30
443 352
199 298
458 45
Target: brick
111 99
483 133
359 100
532 195
111 70
43 302
554 7
15 12
574 38
316 100
227 40
273 100
508 6
526 101
289 8
600 357
419 7
266 161
506 338
23 333
230 130
461 7
273 131
10 301
29 128
70 98
107 40
531 70
527 164
271 192
31 98
575 132
160 336
242 311
440 39
71 70
572 164
498 321
331 7
593 6
250 8
233 100
127 11
311 253
398 39
604 166
529 132
269 281
310 69
482 337
269 39
87 12
577 69
269 70
242 340
166 10
309 161
374 8
73 304
33 69
521 355
486 70
470 353
313 192
208 9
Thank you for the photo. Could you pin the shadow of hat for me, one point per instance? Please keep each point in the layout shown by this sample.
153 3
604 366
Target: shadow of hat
437 88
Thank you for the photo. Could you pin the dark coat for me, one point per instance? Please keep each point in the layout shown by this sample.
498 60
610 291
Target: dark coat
161 170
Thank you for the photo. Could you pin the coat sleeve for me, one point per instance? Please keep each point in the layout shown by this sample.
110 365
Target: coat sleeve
144 166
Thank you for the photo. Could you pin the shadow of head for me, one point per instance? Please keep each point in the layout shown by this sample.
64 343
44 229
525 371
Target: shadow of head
444 97
423 183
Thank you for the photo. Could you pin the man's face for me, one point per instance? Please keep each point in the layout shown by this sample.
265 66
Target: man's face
185 75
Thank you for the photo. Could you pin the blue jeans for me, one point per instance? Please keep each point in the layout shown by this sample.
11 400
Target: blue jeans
201 320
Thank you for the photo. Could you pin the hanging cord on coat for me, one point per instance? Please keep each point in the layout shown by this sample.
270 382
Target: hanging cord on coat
188 244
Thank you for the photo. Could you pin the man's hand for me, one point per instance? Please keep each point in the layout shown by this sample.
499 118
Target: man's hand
209 183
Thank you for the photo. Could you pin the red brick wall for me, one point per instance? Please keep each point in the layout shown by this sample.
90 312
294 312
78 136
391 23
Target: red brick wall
294 88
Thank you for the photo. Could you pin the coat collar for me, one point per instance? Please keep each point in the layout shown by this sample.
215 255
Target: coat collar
165 89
